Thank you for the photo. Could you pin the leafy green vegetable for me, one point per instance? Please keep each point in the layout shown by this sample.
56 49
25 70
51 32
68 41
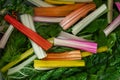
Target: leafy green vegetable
23 73
15 46
102 66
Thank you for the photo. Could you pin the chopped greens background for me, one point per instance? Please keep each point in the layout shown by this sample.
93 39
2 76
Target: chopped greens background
101 66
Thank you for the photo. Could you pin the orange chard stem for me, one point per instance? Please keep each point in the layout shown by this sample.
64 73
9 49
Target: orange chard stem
69 55
57 11
76 15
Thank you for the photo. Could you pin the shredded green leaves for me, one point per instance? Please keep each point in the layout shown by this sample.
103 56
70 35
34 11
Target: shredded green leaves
101 66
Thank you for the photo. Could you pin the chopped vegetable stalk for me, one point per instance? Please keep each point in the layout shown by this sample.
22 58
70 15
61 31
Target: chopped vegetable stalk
78 0
58 11
20 66
68 55
59 2
88 19
78 44
6 36
22 57
48 19
43 68
110 11
58 63
102 49
28 21
29 33
118 5
40 3
99 50
65 35
112 26
74 16
85 54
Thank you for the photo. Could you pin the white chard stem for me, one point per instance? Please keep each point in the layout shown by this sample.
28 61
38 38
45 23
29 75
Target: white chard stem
6 36
20 66
28 22
40 3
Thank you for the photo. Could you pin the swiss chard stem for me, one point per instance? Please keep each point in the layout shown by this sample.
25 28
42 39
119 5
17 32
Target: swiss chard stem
118 5
29 33
77 44
110 11
28 21
40 3
112 26
58 63
48 19
6 36
88 19
76 15
20 66
22 57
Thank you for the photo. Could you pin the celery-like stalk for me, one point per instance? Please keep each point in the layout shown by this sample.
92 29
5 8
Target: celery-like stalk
40 3
78 0
27 21
28 32
110 11
20 66
6 36
48 19
22 57
118 5
78 44
64 63
65 35
60 2
88 19
76 15
99 50
112 26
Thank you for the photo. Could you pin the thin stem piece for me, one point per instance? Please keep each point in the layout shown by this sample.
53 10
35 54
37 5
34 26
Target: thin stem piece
6 36
40 3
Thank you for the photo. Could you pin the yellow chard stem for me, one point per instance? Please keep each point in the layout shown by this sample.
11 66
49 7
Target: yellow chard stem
22 57
52 63
99 50
102 49
59 2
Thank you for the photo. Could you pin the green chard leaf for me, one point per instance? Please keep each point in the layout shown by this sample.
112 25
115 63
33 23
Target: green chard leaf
102 66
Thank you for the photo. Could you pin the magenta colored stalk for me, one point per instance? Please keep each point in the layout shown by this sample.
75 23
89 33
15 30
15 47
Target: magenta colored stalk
77 44
48 19
118 5
112 26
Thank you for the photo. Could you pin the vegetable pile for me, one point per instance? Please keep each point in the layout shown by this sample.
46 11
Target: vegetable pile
60 39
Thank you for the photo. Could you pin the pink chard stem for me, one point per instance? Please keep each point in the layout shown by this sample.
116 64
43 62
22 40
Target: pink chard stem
77 44
48 19
118 5
112 26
